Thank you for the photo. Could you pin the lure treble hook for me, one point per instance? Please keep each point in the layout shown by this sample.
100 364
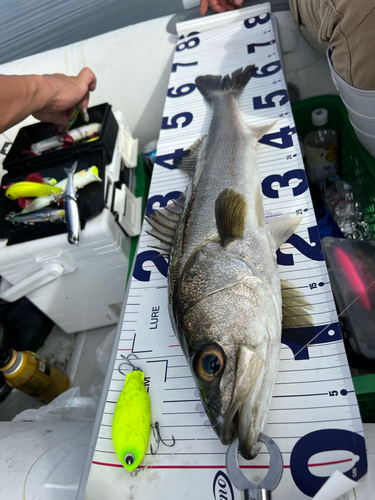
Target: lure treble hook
129 363
157 436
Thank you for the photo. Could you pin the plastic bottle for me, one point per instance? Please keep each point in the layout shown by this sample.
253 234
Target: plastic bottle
320 148
27 372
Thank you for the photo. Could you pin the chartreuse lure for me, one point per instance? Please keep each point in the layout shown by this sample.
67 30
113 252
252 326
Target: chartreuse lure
27 189
132 420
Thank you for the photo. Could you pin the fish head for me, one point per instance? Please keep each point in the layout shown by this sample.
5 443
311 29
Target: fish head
231 338
130 446
73 238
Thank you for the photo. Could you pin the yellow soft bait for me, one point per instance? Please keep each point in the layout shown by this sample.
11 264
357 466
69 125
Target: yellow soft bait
26 189
132 420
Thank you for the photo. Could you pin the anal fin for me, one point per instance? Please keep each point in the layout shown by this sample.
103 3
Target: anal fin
296 308
188 159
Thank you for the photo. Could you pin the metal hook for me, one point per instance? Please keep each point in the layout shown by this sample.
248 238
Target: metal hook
129 363
157 436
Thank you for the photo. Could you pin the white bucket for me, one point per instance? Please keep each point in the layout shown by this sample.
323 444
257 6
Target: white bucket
361 108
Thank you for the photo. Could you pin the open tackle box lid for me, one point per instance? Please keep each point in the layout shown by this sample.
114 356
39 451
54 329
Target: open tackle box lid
91 198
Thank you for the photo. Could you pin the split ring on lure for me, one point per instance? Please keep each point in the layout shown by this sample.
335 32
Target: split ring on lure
132 419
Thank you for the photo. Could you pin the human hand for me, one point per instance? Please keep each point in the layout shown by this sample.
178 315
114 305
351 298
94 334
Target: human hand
220 5
63 94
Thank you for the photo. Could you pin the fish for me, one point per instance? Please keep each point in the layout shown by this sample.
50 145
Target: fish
48 215
71 207
224 289
132 421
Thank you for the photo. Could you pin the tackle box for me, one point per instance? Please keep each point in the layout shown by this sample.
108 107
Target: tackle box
79 287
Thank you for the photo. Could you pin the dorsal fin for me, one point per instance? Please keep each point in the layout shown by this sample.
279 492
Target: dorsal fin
188 159
164 222
230 213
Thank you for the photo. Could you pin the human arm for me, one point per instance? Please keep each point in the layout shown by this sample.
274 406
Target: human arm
48 98
220 5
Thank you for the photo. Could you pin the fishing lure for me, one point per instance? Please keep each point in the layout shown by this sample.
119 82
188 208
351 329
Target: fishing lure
71 207
81 179
132 419
74 135
49 215
30 189
73 116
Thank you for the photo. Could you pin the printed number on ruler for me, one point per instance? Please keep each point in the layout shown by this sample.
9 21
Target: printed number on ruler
269 99
188 44
281 140
321 441
254 21
151 255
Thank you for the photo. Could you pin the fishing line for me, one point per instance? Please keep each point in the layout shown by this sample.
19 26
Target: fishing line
342 312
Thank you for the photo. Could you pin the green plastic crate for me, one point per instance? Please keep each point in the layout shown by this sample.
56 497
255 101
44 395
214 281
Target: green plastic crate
143 180
364 386
355 163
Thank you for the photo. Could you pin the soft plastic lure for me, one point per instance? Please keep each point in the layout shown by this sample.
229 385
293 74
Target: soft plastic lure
132 420
30 189
81 179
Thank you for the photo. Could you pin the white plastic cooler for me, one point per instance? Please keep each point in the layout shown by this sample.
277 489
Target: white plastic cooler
80 287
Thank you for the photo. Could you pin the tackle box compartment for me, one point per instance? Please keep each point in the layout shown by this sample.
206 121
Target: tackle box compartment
90 198
17 159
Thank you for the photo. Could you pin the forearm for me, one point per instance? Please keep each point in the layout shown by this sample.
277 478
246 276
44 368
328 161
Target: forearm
21 96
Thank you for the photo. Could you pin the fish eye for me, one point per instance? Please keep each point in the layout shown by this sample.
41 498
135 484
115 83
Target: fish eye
129 458
209 362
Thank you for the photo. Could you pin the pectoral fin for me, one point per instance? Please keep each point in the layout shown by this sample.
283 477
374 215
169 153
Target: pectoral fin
282 227
230 213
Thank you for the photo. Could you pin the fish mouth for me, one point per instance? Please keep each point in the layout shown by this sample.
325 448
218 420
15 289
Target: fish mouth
239 421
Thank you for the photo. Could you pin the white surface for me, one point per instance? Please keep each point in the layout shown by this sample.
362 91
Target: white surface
302 402
42 461
132 65
361 108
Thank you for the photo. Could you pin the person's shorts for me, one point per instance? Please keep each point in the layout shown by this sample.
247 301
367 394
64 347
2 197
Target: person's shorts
348 28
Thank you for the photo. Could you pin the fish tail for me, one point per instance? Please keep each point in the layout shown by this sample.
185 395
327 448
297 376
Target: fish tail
211 85
72 169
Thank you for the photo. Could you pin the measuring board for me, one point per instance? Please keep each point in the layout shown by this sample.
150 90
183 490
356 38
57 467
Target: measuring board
314 417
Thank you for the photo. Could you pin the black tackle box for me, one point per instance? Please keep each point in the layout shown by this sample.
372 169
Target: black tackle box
51 164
